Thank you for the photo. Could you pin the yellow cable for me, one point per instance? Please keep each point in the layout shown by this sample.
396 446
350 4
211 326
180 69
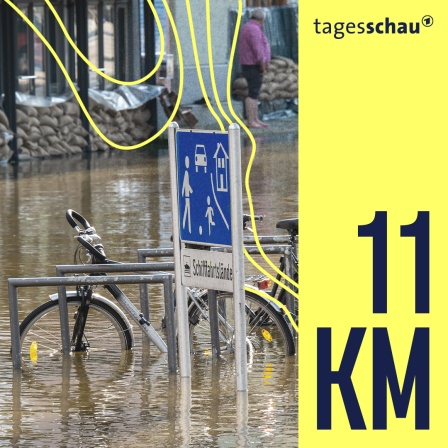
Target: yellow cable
198 67
209 46
212 77
75 92
249 167
272 299
210 62
95 69
267 274
218 102
25 18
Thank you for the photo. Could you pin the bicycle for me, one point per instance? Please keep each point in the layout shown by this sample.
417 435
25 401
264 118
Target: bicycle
99 325
267 328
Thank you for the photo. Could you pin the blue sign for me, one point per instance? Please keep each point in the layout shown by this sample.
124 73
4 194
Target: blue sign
203 178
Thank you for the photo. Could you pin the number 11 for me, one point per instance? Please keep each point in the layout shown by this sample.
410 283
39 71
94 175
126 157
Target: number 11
419 229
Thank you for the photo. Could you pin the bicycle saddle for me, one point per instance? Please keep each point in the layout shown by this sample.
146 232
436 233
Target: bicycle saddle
288 224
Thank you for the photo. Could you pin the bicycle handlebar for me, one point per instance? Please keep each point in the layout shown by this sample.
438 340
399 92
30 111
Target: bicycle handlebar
73 216
89 233
86 234
97 251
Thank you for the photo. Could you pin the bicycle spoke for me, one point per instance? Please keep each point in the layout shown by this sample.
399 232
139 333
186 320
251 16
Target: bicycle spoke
267 332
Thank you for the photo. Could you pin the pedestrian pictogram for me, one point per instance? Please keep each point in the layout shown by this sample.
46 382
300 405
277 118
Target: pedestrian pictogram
204 187
186 191
209 215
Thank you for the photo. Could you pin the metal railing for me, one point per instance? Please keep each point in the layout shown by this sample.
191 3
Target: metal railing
271 245
277 244
62 282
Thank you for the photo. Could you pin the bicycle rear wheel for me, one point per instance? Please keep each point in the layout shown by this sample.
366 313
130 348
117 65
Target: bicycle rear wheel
267 332
106 329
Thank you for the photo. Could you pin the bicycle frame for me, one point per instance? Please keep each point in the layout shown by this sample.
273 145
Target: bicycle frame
201 306
138 317
208 311
133 312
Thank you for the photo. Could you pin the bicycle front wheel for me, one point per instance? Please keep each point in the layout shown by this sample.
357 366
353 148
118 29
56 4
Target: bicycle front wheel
267 332
106 330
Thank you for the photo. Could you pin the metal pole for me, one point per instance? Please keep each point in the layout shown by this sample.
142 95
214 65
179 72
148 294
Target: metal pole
150 57
17 428
63 317
15 327
142 254
87 280
160 252
242 418
170 323
289 298
82 40
238 257
9 37
275 239
181 292
144 302
214 323
278 246
184 405
254 249
14 283
124 267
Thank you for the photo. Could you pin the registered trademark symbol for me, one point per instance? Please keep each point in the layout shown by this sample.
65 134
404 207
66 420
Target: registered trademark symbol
427 20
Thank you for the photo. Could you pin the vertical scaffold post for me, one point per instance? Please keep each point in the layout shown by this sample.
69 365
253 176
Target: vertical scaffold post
238 257
181 292
15 327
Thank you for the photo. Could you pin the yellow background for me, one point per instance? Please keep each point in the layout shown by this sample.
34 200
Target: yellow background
372 136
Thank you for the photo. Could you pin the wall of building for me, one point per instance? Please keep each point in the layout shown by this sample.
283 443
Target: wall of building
219 23
222 29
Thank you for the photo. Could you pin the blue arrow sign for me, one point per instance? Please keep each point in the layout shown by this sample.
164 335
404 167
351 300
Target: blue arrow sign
203 176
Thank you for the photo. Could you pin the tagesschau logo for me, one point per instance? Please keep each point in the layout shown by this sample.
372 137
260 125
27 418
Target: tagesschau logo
340 29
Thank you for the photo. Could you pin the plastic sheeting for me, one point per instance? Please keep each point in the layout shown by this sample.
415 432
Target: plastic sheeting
122 98
23 99
126 97
280 27
280 108
7 136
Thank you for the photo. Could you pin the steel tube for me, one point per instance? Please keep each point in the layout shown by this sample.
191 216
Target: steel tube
14 283
238 257
214 323
123 267
63 317
181 293
161 252
280 241
86 280
144 301
170 323
15 327
269 239
94 268
253 250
